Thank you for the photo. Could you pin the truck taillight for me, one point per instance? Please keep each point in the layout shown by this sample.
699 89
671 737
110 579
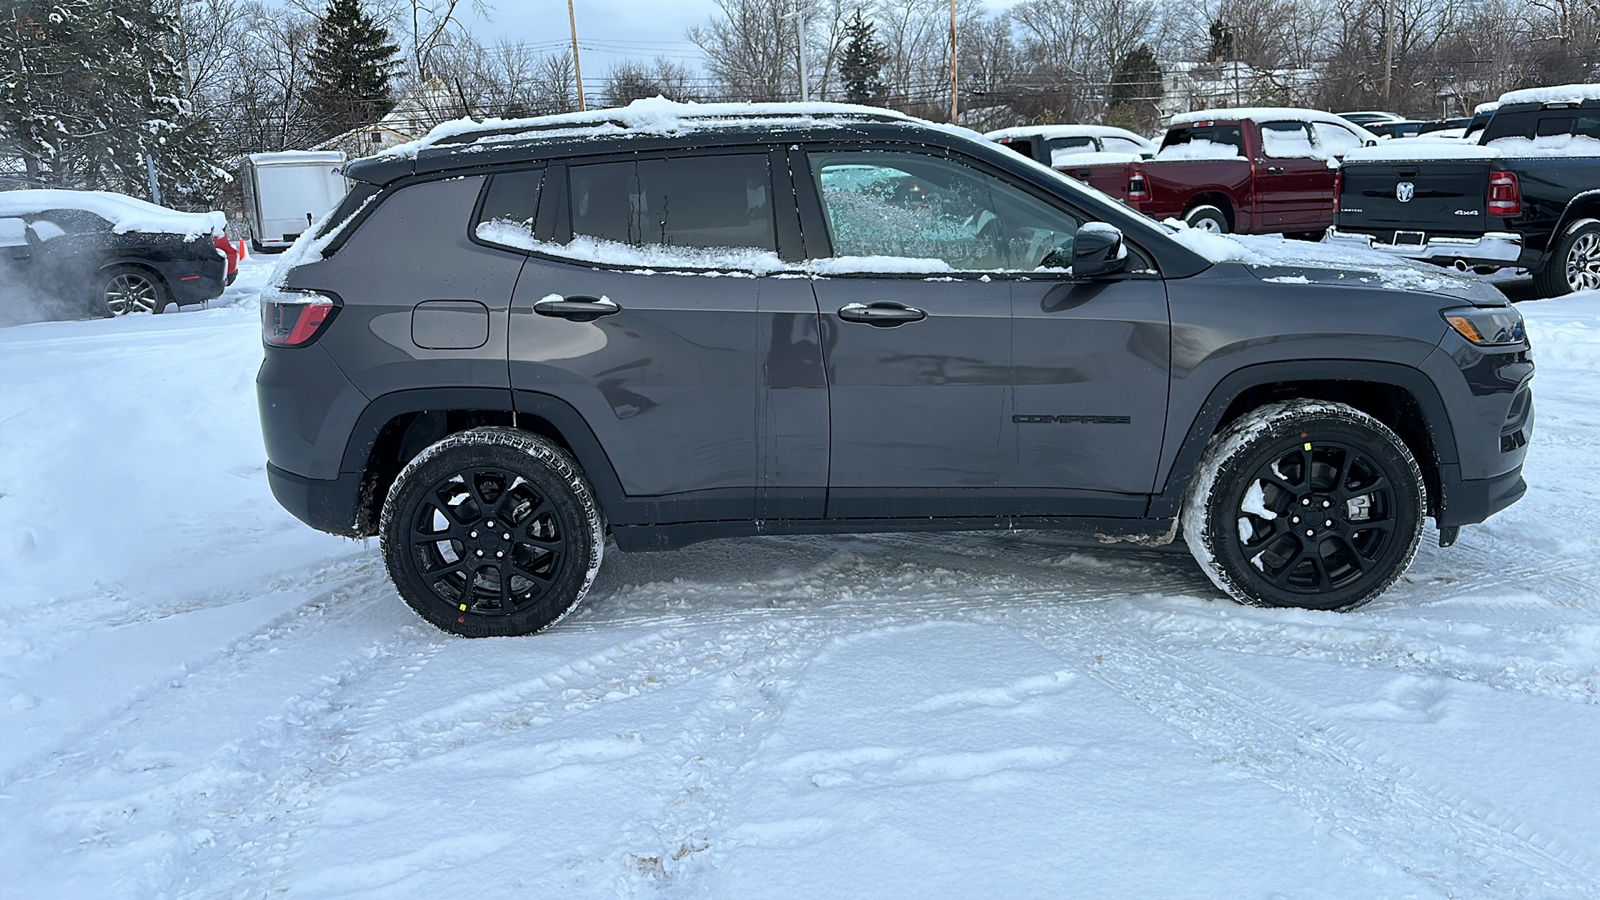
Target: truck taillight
1505 194
1338 189
295 319
1138 186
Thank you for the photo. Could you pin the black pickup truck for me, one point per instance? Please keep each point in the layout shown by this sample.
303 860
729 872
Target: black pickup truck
1525 195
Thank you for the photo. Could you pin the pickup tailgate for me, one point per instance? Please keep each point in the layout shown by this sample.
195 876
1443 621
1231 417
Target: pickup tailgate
1431 196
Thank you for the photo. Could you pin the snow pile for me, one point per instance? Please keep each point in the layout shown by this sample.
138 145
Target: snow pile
1548 145
1424 148
123 212
1199 148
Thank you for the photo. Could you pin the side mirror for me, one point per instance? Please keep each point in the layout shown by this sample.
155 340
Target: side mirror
1098 251
1371 144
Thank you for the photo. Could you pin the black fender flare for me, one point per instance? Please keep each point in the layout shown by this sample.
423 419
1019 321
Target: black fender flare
1168 502
1585 205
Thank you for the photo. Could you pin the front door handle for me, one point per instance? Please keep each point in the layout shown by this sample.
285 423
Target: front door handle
1274 170
576 309
881 315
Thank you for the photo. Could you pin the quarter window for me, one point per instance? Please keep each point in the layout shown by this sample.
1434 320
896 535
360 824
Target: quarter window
917 207
701 202
513 199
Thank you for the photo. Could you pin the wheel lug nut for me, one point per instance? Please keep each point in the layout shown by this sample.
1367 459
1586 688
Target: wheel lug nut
491 524
1309 533
474 534
507 535
1295 520
480 552
1305 501
1328 524
499 554
1327 503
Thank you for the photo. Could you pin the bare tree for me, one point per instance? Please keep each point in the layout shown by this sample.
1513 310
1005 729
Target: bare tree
631 80
752 48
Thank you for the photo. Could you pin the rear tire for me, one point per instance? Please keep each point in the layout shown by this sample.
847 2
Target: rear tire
1306 504
127 290
492 532
1207 218
1574 263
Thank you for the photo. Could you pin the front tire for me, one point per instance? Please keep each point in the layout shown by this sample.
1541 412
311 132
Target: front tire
1574 263
492 532
1306 504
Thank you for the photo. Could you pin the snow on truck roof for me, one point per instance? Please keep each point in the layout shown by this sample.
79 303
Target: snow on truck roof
1268 113
654 116
1565 93
123 212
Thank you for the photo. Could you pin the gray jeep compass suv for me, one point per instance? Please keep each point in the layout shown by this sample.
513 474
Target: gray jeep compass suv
673 323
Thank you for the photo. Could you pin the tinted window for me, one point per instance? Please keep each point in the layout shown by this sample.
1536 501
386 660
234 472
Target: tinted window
1224 135
912 206
704 201
1587 126
513 199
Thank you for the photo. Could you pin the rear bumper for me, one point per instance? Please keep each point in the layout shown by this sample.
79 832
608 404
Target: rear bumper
1492 248
326 505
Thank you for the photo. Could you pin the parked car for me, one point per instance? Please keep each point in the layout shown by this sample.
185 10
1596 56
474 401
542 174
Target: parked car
1057 145
1368 118
1402 129
1527 196
1251 171
670 323
98 253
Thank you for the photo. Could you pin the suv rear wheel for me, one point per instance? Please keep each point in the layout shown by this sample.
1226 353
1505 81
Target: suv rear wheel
1306 504
492 532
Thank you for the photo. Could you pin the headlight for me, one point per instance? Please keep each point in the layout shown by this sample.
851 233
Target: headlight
1487 327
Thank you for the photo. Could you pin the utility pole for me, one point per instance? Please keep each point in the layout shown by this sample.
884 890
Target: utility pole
577 69
953 109
800 32
1388 51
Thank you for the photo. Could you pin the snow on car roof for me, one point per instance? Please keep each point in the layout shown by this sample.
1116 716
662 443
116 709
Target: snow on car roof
1491 106
1066 131
1269 113
1425 147
123 212
655 115
1565 93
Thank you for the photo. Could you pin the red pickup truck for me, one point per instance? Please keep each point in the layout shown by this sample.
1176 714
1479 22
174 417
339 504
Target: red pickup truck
1250 171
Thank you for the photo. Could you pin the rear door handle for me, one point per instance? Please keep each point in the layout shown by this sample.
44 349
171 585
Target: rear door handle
881 315
576 309
1274 170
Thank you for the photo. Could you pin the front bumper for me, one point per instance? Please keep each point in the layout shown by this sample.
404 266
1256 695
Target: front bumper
1492 248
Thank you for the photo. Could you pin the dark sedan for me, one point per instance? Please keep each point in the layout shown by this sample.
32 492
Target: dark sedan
65 254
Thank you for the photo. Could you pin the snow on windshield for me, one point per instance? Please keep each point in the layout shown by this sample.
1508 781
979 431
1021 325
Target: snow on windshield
126 214
1198 148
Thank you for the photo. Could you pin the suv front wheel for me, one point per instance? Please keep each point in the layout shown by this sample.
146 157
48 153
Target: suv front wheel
1306 504
492 532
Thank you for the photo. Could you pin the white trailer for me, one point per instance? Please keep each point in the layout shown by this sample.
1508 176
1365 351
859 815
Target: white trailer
285 192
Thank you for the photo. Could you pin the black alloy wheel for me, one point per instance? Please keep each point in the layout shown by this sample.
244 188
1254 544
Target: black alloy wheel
491 532
1306 504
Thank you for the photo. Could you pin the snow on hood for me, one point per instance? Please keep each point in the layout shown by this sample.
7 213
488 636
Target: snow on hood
656 115
1424 147
123 212
1564 93
1275 258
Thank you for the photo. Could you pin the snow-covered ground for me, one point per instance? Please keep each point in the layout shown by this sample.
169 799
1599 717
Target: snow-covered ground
201 698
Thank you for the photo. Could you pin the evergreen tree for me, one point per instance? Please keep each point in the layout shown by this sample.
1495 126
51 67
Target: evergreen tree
861 65
350 65
92 98
1221 41
1136 86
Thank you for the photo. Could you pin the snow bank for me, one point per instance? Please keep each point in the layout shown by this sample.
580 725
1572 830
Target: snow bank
1564 93
123 212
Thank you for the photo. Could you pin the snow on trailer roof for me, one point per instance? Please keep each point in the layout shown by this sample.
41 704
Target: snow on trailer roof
123 212
653 116
301 157
1267 113
1565 93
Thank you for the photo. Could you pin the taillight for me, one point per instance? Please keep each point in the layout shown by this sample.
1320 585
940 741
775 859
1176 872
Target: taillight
295 319
1338 189
1505 194
1138 187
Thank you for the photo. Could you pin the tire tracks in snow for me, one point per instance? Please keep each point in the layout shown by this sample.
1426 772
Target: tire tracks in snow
1341 777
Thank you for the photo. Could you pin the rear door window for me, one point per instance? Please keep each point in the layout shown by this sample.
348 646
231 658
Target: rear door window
690 202
1287 140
